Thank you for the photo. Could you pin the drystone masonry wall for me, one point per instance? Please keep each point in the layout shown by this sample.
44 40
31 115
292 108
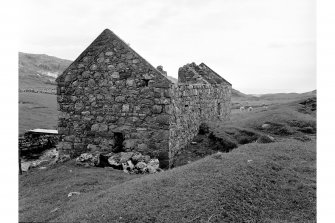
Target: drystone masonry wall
113 101
110 99
193 104
190 74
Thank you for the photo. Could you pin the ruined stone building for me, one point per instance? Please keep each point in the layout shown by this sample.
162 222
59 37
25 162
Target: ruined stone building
110 99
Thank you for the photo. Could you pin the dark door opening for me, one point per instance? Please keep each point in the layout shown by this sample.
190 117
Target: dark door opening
119 138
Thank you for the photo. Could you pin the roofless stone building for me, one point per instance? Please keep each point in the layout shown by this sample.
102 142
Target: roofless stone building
110 99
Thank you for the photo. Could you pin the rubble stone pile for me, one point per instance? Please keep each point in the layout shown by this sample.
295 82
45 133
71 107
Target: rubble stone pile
32 146
129 162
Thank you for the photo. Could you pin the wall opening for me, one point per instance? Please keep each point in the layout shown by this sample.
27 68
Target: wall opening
119 138
145 82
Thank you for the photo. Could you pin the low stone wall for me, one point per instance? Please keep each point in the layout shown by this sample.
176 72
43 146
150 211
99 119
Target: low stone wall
43 91
193 104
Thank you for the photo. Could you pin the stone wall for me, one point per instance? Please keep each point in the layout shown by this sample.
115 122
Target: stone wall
109 98
190 74
193 104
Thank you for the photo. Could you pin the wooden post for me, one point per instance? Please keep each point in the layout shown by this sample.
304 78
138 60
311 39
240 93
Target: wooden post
20 169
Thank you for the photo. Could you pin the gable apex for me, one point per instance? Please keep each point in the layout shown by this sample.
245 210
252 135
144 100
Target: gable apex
106 41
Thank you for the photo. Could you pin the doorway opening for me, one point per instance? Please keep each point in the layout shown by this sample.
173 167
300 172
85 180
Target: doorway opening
119 138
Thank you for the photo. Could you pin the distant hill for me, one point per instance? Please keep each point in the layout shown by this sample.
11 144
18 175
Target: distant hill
287 95
40 70
237 94
174 80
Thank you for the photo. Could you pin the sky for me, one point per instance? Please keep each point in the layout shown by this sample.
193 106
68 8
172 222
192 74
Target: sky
260 46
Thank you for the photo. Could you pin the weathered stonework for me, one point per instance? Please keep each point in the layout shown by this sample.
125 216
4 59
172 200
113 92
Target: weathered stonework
110 99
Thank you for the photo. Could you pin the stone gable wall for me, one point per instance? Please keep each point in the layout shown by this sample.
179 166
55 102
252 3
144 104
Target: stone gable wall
193 104
116 92
190 74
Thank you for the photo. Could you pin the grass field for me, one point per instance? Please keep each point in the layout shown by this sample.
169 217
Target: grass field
37 111
254 183
273 182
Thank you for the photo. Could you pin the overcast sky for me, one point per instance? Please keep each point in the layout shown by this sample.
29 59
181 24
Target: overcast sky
260 46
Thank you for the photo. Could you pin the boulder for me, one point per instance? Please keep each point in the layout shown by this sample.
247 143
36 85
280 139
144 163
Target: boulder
25 166
128 166
265 139
114 161
151 169
92 147
145 158
154 163
125 156
88 159
136 157
265 126
129 144
141 167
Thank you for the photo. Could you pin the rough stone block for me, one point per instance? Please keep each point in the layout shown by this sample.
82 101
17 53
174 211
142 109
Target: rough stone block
157 109
163 119
120 98
65 146
125 108
130 144
115 75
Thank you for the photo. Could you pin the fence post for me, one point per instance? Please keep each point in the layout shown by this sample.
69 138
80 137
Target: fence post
20 169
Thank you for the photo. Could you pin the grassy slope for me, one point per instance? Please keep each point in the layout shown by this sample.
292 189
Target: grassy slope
33 67
239 100
278 185
283 113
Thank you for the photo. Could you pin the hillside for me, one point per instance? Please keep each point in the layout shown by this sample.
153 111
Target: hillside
256 182
237 94
287 95
40 70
